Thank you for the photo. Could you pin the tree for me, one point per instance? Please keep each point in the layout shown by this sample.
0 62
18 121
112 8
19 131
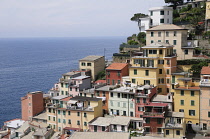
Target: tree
196 68
141 37
174 2
132 42
137 16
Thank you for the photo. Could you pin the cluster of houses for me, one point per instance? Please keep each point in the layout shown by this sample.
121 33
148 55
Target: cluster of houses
148 94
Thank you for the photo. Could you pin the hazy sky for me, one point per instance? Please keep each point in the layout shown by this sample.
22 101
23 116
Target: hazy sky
71 18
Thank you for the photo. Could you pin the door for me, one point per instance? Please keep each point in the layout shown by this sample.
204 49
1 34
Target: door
95 128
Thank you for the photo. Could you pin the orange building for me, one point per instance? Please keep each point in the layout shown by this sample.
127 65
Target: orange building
31 105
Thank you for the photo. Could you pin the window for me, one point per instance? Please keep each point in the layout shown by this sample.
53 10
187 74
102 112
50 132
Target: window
186 51
161 52
175 33
118 73
118 95
133 80
147 120
112 82
98 93
111 94
144 100
92 95
160 61
85 94
64 121
85 123
182 102
152 41
174 42
70 89
146 72
192 112
59 111
124 113
122 127
159 34
192 103
140 108
152 51
103 128
67 93
192 93
67 85
208 114
69 121
159 121
168 81
83 64
182 93
61 84
59 120
104 94
159 90
181 110
108 81
160 71
161 20
78 113
167 41
131 114
64 112
111 103
167 132
151 13
168 62
177 132
88 64
152 34
62 92
48 117
85 114
108 73
76 89
49 110
118 104
115 127
167 34
168 71
124 105
135 71
161 12
78 122
59 128
118 81
146 82
159 40
53 118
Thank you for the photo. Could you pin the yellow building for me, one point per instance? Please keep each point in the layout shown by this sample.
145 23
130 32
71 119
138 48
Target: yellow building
66 113
173 35
174 126
154 67
186 97
94 63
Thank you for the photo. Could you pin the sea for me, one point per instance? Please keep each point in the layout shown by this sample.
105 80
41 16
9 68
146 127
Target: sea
35 64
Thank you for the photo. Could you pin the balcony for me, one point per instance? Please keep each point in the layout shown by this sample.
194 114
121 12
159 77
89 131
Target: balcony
51 105
62 80
80 108
141 95
153 114
171 55
173 125
205 83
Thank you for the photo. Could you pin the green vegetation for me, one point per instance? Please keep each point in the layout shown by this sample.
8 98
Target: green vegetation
132 42
101 75
175 3
137 16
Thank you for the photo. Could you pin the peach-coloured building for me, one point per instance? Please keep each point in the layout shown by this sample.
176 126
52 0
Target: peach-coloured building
31 105
205 99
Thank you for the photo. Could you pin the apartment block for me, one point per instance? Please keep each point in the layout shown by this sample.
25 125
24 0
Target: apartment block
154 67
94 63
115 72
66 113
173 35
31 105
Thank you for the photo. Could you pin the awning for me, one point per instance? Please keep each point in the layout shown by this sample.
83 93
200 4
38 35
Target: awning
71 101
103 98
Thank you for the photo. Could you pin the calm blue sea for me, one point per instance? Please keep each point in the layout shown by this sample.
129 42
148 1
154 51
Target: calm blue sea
32 64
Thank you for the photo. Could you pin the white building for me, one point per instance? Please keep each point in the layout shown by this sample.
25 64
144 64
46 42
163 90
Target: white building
157 16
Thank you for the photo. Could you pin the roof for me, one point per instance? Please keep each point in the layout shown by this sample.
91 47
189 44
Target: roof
38 124
100 135
176 114
188 88
157 104
80 98
42 116
166 27
205 70
28 136
41 132
80 77
71 73
158 45
117 66
59 97
66 99
160 8
15 123
91 58
105 88
23 128
162 98
100 81
101 121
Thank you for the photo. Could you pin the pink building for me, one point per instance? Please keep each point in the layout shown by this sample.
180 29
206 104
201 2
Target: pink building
31 105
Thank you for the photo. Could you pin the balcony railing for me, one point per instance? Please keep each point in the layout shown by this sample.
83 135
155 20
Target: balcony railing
80 108
153 114
63 80
205 82
141 95
173 125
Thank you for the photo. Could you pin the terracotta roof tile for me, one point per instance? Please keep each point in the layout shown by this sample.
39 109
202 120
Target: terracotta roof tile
100 81
205 70
66 99
166 27
117 66
195 87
